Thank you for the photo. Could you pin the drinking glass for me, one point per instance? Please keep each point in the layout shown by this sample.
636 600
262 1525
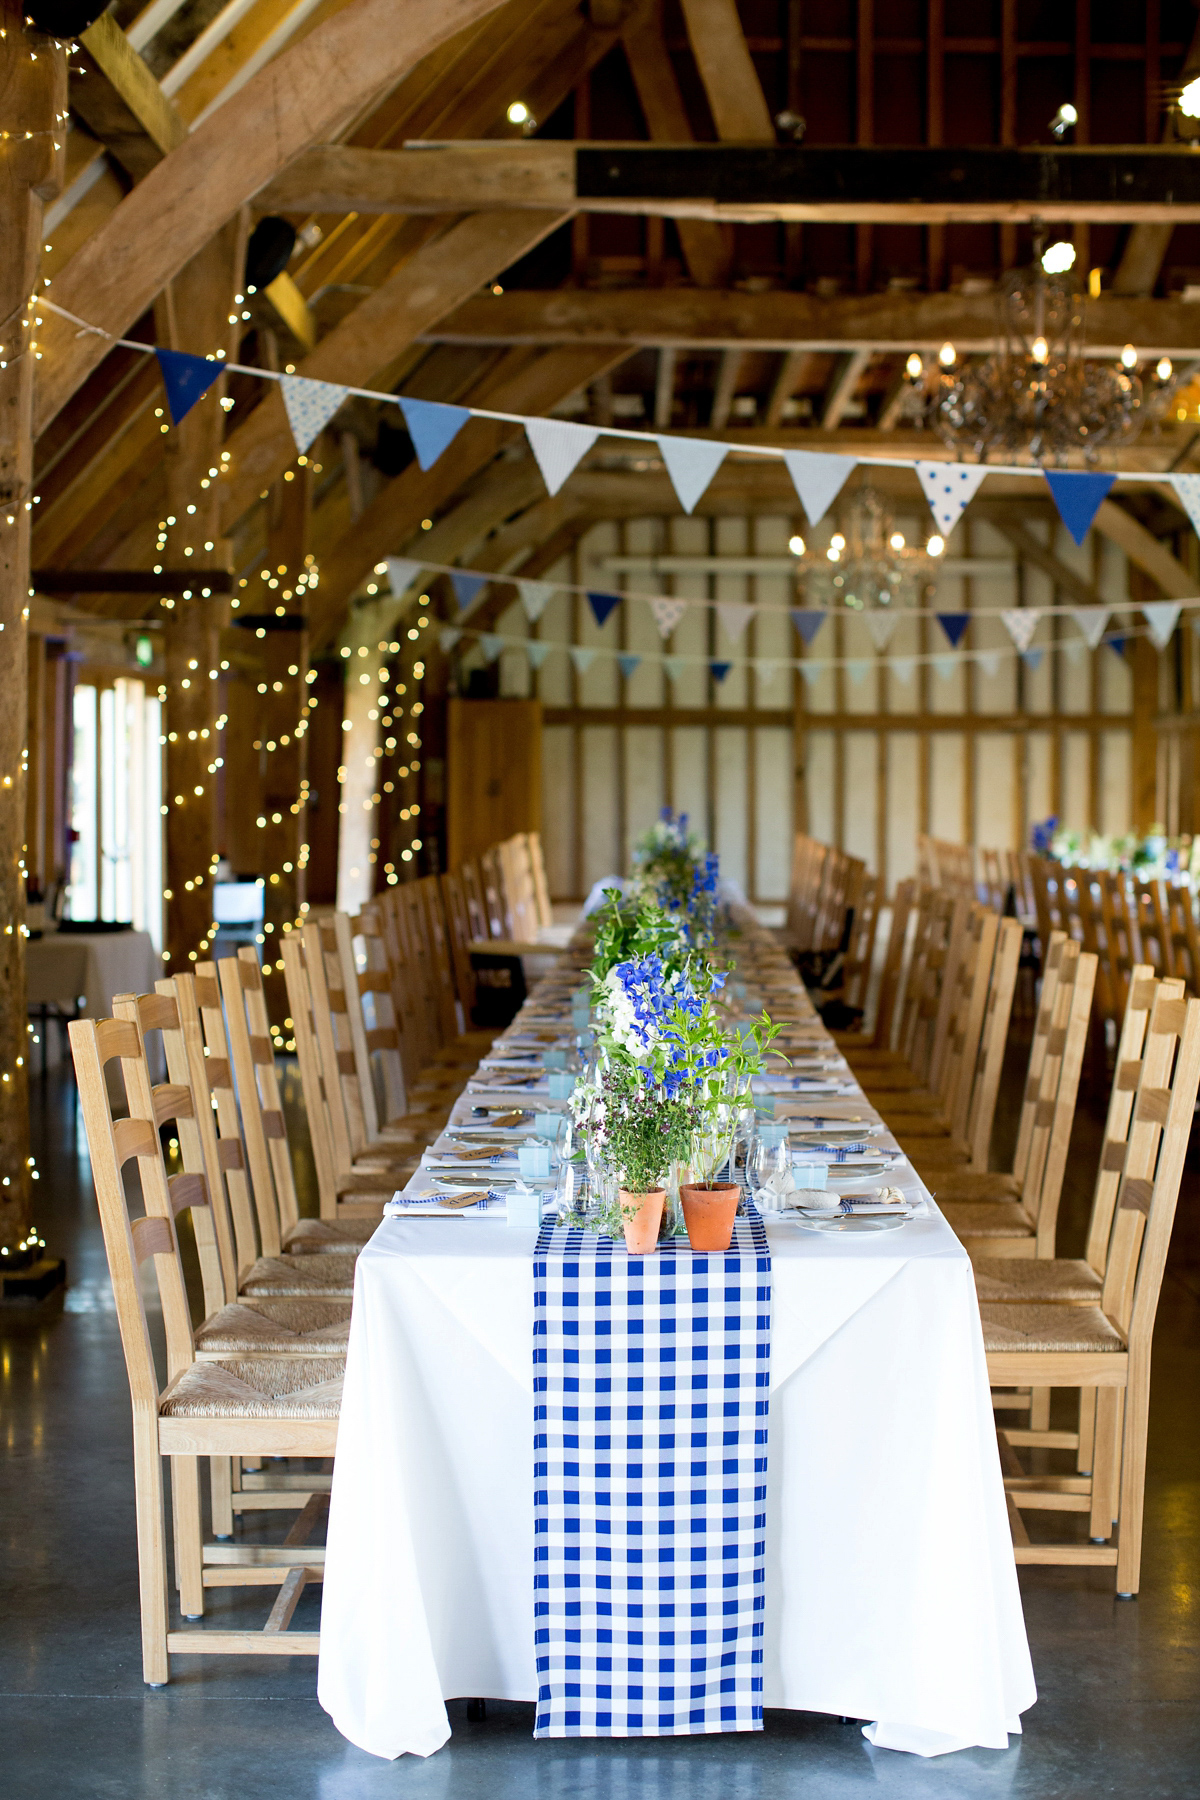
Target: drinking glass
770 1158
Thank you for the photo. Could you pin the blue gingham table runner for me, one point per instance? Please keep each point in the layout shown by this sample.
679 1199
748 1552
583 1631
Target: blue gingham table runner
650 1403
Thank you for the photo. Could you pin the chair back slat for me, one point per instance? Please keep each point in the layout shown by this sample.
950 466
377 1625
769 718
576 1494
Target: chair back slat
1053 951
460 937
205 994
1127 1074
985 1088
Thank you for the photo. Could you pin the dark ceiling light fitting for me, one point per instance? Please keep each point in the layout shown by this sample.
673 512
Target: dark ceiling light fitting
269 251
64 19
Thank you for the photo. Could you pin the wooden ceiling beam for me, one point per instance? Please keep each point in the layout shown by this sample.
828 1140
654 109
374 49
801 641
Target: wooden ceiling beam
121 103
780 320
735 96
843 387
728 370
170 216
1146 551
1013 526
787 380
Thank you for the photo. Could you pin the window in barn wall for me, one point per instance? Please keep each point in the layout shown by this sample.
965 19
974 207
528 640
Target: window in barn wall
116 799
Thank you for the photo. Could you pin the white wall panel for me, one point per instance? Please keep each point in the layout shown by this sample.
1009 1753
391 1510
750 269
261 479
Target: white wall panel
731 821
1114 800
558 807
643 780
947 775
861 796
1076 779
601 850
773 812
903 818
995 789
819 786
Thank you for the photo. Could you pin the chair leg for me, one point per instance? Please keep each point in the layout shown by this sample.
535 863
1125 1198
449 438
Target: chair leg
1085 1462
1039 1410
221 1485
1133 1477
1105 1464
152 1551
189 1556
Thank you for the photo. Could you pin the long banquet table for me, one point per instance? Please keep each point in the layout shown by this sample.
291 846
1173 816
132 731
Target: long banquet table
891 1589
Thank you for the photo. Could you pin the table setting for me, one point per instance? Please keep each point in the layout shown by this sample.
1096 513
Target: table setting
664 1328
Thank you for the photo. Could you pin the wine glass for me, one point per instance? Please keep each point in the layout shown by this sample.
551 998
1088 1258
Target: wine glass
770 1168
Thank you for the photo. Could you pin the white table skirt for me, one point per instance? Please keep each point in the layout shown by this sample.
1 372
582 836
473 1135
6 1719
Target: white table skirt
891 1589
89 967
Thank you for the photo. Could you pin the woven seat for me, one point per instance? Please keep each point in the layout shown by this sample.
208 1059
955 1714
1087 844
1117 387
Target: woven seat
935 1153
1007 1279
275 1277
985 1218
1052 1328
276 1328
327 1235
285 1387
974 1185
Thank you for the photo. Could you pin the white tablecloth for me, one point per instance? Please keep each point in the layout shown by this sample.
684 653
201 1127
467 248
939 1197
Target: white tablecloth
80 965
891 1589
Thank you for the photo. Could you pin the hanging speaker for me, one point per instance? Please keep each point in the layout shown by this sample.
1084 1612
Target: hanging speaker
269 251
64 19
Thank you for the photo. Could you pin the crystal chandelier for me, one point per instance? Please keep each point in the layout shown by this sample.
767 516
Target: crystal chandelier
1037 396
868 564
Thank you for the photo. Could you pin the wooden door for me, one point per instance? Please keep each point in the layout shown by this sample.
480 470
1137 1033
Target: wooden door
494 774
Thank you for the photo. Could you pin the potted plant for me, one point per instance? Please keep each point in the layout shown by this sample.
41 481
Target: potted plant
634 1114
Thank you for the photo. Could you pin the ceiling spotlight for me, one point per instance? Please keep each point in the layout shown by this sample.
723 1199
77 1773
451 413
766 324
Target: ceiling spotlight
1164 368
1189 100
1059 258
790 125
1063 120
946 356
934 545
796 545
914 368
1129 357
519 114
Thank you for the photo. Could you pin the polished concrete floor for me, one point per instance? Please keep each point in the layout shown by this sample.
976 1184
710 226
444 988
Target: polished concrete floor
1119 1707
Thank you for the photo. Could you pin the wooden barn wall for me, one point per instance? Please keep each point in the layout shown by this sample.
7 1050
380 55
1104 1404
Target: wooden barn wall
969 753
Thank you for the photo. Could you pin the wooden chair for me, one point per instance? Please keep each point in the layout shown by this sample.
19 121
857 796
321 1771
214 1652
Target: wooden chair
541 887
1154 930
459 931
1044 879
495 899
1026 1227
1106 1347
1120 935
860 953
891 980
251 1406
1182 933
928 1003
472 885
930 1111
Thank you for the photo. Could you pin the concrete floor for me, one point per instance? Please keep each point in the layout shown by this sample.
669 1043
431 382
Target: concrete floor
1119 1711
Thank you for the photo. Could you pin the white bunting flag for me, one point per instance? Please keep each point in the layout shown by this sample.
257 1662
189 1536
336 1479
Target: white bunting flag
309 406
559 447
735 615
401 573
448 636
767 672
818 476
949 487
582 658
812 671
945 666
903 668
1188 489
674 666
691 464
535 597
881 626
1162 616
491 645
667 614
856 669
1021 622
1092 622
537 652
989 663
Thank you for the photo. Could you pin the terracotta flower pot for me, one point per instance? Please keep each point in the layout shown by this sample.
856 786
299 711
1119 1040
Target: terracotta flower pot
641 1232
708 1213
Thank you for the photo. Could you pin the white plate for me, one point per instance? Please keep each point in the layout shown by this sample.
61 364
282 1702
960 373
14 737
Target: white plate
849 1221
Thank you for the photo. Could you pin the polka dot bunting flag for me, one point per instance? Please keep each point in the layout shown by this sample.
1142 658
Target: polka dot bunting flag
949 488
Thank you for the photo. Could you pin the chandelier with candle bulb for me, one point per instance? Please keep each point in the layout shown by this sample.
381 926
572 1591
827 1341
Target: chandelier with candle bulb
868 564
1037 396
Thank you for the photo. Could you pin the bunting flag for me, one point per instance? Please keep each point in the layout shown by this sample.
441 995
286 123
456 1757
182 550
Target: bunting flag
818 477
691 464
537 652
559 447
627 665
674 666
1162 616
856 669
989 662
903 668
1073 651
1092 622
667 614
1021 622
1187 489
1116 645
1032 658
401 574
602 605
309 406
720 670
491 646
1078 496
432 427
582 658
186 379
466 588
448 636
881 626
735 615
954 625
812 672
949 488
767 673
808 620
945 666
535 597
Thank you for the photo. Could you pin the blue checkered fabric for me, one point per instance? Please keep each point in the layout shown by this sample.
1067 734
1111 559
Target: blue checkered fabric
651 1379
